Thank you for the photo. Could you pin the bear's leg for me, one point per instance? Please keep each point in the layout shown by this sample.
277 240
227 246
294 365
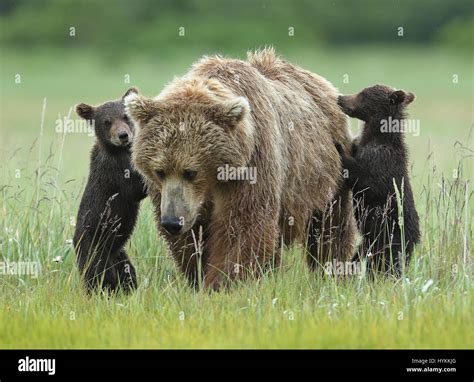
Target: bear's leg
331 234
393 257
241 246
384 254
189 253
373 255
127 276
381 248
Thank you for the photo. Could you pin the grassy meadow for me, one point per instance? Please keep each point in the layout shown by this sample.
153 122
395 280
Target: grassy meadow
43 174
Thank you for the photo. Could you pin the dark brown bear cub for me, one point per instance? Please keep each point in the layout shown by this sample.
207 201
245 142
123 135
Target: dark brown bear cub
110 203
378 159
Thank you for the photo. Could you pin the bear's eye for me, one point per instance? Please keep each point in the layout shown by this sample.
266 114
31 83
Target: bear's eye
125 117
189 174
107 122
160 174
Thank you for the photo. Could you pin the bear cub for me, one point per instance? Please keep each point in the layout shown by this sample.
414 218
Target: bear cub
109 206
378 158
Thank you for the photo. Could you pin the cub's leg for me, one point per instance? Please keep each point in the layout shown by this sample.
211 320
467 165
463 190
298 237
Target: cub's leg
331 234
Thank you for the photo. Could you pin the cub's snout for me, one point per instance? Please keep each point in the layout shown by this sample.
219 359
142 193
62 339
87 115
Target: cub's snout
347 104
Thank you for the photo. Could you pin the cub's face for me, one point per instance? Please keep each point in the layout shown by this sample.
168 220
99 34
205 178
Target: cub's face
112 126
178 149
375 102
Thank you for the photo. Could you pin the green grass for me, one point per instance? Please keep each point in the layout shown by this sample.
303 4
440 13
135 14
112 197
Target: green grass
43 178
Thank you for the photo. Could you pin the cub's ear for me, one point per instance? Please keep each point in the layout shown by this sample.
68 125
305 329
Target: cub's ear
409 97
397 97
139 109
130 91
230 113
85 111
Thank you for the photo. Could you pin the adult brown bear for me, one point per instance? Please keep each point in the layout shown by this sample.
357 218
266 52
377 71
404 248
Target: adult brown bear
239 158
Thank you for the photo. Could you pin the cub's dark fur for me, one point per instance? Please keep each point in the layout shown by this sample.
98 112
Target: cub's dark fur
379 158
110 203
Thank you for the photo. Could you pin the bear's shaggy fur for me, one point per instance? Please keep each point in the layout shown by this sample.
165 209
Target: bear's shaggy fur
111 200
378 159
263 114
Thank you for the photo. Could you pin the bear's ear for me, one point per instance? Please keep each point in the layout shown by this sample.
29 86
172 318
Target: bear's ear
230 113
397 97
139 109
409 98
130 91
85 111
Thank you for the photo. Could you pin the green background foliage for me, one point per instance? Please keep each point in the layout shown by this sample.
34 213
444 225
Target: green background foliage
150 26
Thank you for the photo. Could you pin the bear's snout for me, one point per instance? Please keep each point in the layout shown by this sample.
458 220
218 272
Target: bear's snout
171 224
121 135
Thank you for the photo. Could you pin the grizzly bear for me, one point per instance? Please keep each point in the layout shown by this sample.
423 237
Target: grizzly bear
239 160
110 203
379 158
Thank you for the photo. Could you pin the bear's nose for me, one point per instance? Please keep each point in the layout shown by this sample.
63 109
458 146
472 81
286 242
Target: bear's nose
123 137
171 223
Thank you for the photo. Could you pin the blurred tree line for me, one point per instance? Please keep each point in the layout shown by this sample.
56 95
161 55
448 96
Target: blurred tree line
158 26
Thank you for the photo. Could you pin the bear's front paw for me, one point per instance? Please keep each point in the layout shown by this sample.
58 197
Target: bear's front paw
127 276
116 274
